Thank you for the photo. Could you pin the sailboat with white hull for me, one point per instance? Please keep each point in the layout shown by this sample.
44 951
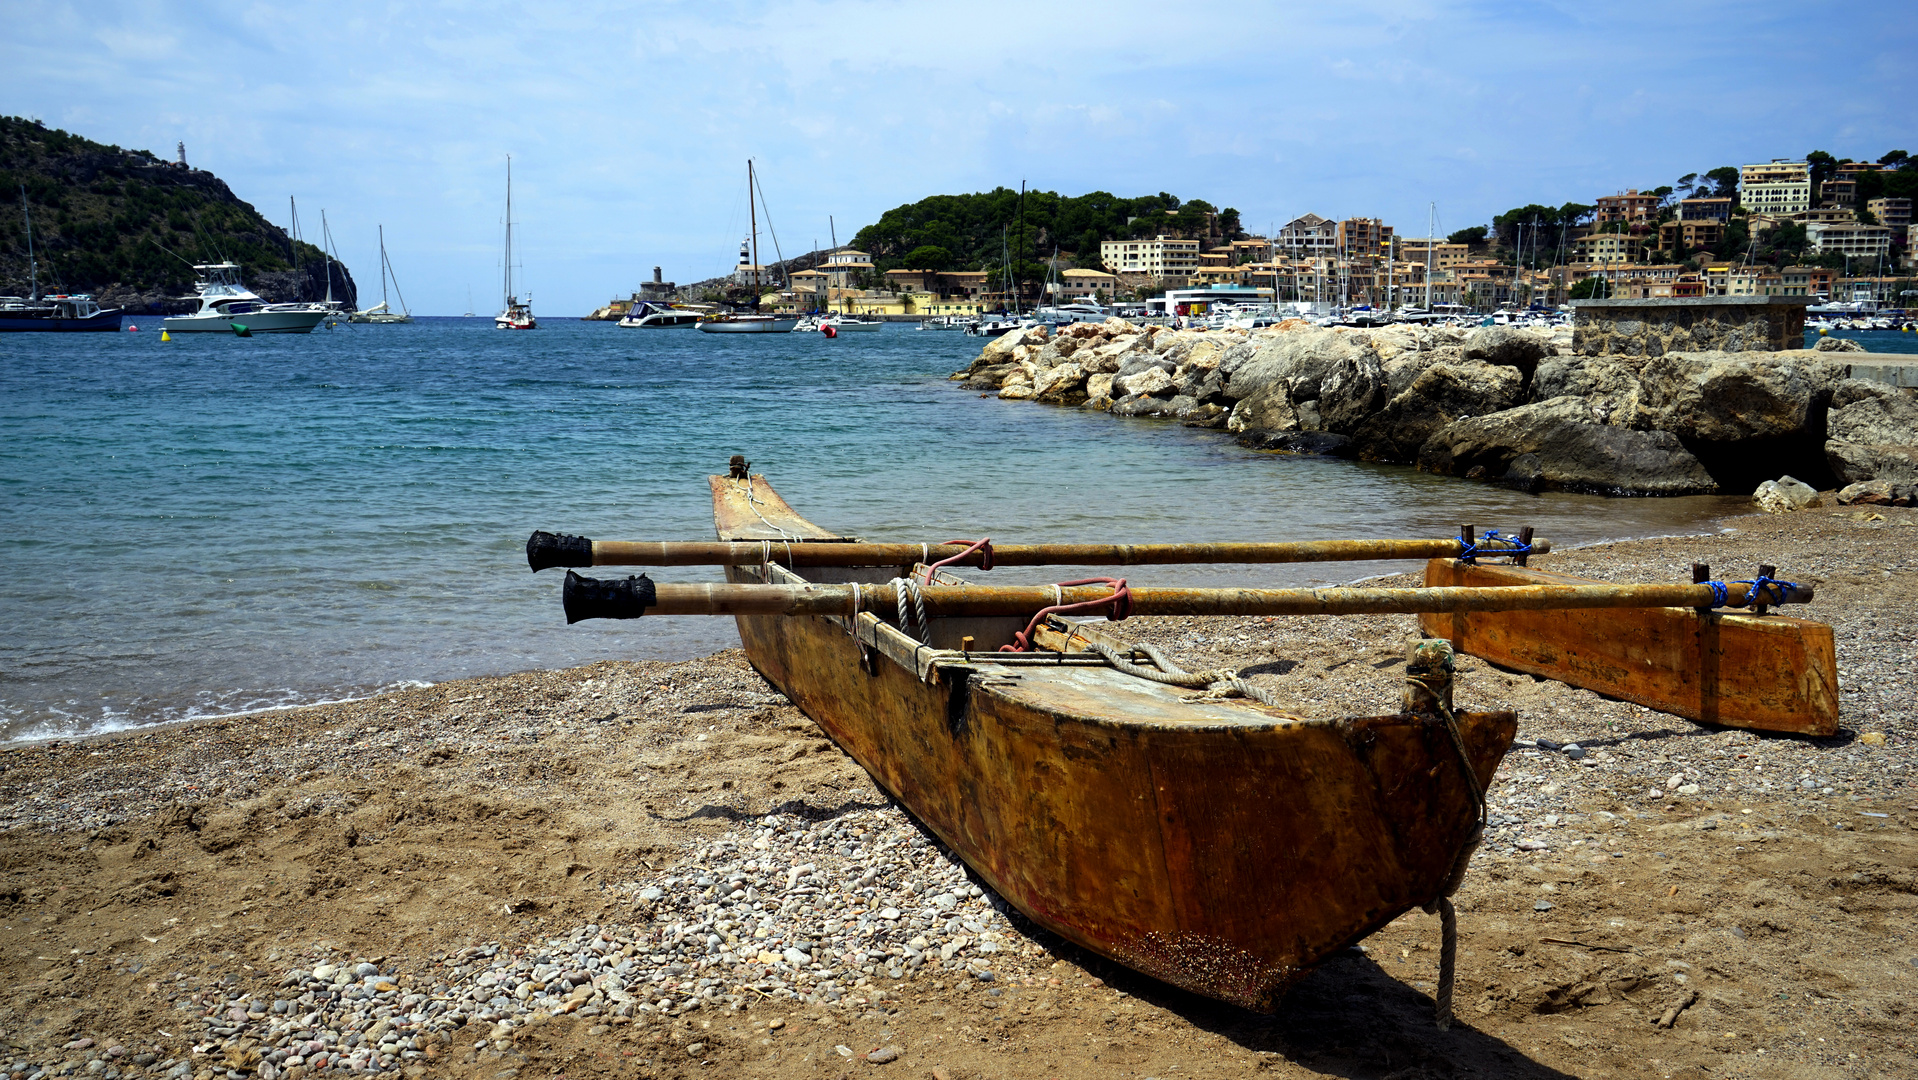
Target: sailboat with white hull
518 314
753 321
383 312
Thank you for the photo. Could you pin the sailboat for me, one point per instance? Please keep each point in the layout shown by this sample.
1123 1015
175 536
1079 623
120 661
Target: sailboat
751 322
59 312
518 314
382 312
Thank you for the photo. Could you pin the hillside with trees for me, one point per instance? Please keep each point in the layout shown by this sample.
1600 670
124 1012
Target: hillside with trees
972 232
124 225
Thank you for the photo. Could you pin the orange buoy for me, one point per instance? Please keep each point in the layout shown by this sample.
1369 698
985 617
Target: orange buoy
829 331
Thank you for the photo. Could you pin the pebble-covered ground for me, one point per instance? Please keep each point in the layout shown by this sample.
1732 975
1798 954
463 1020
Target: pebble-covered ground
665 870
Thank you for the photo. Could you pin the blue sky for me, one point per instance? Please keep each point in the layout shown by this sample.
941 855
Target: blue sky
629 126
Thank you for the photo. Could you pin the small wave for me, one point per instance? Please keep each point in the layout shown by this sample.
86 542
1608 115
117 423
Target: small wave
57 724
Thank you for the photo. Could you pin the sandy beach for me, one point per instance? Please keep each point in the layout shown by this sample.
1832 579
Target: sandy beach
665 870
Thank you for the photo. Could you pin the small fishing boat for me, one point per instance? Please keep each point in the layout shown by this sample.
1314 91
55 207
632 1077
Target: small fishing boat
58 313
1223 844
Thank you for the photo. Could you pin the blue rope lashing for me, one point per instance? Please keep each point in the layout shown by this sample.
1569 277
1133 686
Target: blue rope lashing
1719 592
1468 551
1757 594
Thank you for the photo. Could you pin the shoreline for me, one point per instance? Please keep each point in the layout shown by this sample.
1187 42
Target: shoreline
528 830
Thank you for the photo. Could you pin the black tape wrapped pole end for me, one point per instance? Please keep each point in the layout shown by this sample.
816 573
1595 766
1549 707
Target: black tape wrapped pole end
617 598
544 549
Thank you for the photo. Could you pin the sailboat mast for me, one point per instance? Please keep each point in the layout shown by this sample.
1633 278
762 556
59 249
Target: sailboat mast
383 304
326 237
1431 245
752 215
509 232
33 268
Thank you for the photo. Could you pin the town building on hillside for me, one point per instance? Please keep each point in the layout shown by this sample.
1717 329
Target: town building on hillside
844 266
1695 234
1308 236
1628 206
1893 214
1705 209
1609 247
1837 192
1857 240
1363 238
1162 258
1813 281
1252 249
1075 285
1445 256
1832 215
1777 187
1850 169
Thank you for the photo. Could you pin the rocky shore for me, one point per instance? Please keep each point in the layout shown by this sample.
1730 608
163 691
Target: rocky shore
665 870
1505 405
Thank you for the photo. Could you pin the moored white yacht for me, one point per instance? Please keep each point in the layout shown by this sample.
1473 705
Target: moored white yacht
726 322
852 324
653 315
226 306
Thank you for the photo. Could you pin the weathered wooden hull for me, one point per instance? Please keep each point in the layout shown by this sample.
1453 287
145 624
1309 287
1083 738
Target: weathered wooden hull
1219 845
1767 673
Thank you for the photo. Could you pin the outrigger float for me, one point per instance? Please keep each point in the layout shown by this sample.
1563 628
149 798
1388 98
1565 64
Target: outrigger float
1186 824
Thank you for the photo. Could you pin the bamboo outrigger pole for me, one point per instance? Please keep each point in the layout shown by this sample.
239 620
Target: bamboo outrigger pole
545 550
630 598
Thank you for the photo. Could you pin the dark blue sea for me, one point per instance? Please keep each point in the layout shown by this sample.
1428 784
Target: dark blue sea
213 525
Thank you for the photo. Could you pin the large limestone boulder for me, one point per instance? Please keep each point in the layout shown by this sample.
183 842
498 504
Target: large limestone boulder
1441 394
1290 369
1610 383
1834 344
1558 444
1872 433
1785 495
1732 397
1509 346
1350 391
989 378
1156 381
1061 385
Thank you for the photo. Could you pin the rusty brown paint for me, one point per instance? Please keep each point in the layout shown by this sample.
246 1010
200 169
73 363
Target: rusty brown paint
1768 673
813 552
1222 846
968 599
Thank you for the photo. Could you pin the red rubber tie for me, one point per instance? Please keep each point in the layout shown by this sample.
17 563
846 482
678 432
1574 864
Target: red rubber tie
983 544
1120 603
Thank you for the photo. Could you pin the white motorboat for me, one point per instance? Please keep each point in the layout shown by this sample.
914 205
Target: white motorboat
945 322
651 315
851 324
727 322
996 327
518 314
228 307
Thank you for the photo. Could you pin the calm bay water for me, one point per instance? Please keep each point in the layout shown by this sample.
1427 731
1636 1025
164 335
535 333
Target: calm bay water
216 524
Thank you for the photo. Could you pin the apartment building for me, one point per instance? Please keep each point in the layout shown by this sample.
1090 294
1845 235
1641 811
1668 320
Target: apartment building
1160 258
1444 256
1811 281
1893 214
1308 237
1628 206
1779 186
1857 240
1609 247
1704 209
1695 234
1363 237
1838 192
1076 285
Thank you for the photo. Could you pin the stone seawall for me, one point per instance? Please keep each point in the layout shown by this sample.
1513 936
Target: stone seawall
1714 324
1511 406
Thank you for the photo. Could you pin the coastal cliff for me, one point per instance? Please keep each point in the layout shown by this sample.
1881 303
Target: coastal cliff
124 224
1504 405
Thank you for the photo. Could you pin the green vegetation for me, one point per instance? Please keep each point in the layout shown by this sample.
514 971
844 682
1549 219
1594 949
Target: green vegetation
101 216
1474 235
969 230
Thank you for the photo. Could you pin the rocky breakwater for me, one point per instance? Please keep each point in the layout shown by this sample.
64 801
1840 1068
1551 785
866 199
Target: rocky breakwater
1499 404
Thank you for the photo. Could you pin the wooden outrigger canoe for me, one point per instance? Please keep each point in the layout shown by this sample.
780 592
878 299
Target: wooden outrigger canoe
1221 845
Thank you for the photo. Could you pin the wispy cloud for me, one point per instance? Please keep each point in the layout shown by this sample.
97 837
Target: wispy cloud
629 126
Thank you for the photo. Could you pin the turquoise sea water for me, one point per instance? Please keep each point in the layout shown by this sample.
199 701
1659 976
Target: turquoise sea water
218 524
